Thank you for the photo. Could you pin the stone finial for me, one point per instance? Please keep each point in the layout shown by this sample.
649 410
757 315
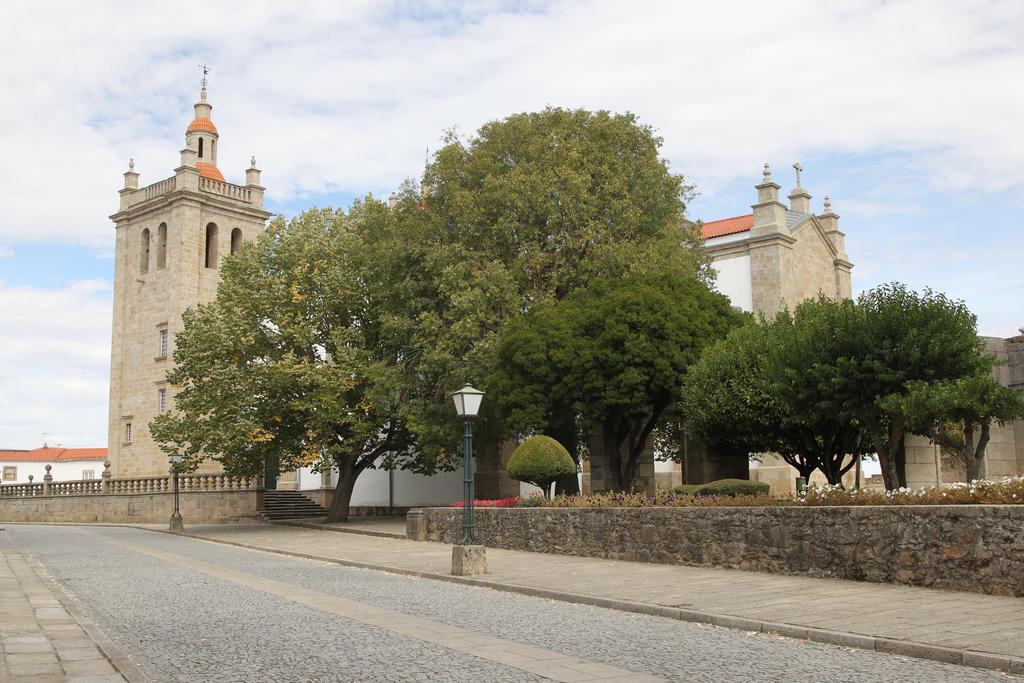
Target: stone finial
828 204
797 167
131 164
393 200
767 172
30 478
252 161
48 476
106 469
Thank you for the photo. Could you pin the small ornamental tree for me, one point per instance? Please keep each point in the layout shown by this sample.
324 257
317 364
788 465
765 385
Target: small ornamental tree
958 415
540 460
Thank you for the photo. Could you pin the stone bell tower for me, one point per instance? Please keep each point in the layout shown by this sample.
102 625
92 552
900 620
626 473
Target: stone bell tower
170 238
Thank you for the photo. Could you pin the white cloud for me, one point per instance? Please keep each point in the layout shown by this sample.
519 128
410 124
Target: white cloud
344 97
55 364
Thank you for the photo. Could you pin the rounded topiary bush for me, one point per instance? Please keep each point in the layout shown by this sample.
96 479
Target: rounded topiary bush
733 487
687 489
540 460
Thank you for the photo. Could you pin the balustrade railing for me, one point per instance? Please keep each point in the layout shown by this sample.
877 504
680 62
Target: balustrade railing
20 490
225 189
157 189
132 485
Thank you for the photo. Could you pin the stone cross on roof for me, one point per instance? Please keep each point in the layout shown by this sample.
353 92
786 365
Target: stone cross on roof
797 167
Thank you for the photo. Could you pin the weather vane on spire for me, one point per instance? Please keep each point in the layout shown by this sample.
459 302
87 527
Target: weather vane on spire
206 72
797 167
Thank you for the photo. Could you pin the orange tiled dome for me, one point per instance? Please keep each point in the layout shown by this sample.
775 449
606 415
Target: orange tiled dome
209 171
205 125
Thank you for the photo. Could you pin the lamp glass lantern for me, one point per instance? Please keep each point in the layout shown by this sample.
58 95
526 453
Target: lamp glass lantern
467 401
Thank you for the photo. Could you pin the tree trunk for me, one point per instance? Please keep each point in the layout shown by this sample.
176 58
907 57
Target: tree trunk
974 456
886 445
347 475
901 461
563 430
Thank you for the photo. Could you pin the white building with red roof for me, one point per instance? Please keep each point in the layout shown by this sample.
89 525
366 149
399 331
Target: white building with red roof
779 254
67 464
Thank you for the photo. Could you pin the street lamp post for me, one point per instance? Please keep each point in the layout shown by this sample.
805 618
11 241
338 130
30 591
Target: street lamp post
469 557
176 522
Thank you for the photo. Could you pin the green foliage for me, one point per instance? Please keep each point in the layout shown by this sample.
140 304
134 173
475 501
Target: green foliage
724 487
765 389
529 209
616 352
728 398
540 460
294 363
733 488
897 337
958 415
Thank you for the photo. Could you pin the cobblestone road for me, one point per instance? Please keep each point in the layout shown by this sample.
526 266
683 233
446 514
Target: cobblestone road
187 610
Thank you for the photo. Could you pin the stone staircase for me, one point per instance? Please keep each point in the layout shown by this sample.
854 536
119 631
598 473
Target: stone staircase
284 505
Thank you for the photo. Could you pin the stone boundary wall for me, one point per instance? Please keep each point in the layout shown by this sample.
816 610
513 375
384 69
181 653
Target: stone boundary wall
134 508
976 548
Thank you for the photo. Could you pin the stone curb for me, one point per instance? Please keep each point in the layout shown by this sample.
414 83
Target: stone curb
324 527
114 654
947 655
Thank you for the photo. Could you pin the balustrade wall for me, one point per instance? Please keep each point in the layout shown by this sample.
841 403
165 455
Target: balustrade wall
143 500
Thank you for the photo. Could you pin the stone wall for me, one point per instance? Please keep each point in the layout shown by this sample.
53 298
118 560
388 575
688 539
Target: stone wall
969 548
138 508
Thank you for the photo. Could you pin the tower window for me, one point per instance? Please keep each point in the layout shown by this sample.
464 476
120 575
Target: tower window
127 432
161 246
236 240
144 252
161 400
213 151
211 245
200 148
162 344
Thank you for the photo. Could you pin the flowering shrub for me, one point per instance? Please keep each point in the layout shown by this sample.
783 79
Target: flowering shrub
642 500
499 503
1004 492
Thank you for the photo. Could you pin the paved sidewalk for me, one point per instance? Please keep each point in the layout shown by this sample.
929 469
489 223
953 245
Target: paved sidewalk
385 527
961 628
41 640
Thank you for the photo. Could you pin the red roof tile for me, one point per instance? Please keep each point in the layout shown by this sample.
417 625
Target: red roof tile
209 171
727 226
201 124
53 454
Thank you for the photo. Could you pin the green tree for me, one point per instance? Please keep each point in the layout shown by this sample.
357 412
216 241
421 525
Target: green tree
540 460
294 363
767 388
730 402
617 353
895 337
819 421
527 210
958 415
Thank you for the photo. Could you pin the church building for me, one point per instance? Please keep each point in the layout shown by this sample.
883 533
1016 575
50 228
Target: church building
170 237
172 234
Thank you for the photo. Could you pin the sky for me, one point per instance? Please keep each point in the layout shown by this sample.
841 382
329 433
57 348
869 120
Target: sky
908 114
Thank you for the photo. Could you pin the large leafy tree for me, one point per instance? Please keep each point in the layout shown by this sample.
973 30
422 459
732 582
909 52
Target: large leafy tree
616 353
294 363
767 388
524 212
893 338
730 402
